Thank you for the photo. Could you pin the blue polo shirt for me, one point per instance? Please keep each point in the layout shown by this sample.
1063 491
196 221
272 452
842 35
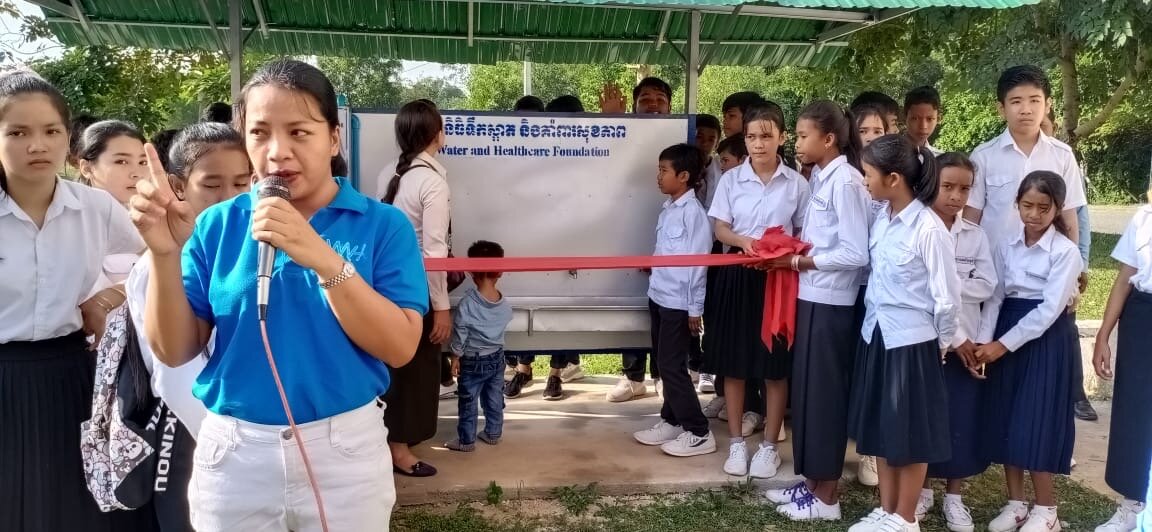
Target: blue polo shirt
323 371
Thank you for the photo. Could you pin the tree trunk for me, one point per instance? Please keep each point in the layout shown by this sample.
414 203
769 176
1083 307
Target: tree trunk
1070 83
1135 71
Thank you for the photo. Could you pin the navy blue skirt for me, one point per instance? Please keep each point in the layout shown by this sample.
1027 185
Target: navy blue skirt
964 392
1026 412
733 315
1130 435
899 405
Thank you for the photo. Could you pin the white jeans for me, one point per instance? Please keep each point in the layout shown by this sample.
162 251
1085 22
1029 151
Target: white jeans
250 477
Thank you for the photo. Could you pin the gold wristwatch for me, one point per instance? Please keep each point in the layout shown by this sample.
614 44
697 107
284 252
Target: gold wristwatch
345 273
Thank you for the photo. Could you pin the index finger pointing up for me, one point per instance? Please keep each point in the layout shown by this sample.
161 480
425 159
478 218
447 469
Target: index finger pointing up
156 169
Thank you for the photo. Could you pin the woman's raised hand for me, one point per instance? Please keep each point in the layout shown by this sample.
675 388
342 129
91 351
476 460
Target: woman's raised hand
164 221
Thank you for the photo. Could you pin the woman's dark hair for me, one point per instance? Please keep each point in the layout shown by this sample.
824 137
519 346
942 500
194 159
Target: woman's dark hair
897 154
764 111
685 158
162 141
565 104
734 145
1051 185
197 140
877 99
301 77
217 112
528 103
862 113
830 118
79 124
417 125
955 159
19 83
94 141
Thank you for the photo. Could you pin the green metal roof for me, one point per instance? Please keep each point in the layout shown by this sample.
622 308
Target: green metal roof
732 32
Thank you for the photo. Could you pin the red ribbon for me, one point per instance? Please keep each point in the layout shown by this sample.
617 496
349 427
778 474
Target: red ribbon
779 293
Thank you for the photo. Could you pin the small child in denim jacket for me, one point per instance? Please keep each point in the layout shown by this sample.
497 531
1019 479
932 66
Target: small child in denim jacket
478 354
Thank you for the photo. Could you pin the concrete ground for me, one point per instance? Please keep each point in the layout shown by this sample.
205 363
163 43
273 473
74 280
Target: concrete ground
1110 218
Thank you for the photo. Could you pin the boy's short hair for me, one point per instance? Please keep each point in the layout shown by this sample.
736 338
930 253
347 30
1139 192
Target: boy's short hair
652 82
217 112
741 100
528 103
922 95
1021 75
685 158
706 121
485 249
565 104
878 99
734 145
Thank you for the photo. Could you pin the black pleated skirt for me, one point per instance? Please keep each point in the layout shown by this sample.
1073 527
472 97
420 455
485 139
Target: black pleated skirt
964 418
1026 414
45 393
1130 435
899 406
413 397
733 315
821 381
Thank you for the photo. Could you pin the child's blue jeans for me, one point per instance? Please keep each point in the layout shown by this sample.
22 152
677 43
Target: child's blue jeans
481 381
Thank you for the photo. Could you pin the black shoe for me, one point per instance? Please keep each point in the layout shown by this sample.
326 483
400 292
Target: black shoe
512 388
552 391
1084 411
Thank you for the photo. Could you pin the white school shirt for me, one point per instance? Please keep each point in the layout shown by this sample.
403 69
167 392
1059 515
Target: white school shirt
425 199
751 206
977 273
47 272
173 385
1001 167
712 174
1048 271
914 289
1135 249
837 227
682 229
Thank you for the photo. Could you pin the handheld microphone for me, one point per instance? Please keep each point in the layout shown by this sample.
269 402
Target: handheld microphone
270 187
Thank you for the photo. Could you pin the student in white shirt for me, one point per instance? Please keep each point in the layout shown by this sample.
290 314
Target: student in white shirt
54 234
760 194
836 224
707 140
1027 336
676 305
1130 436
961 371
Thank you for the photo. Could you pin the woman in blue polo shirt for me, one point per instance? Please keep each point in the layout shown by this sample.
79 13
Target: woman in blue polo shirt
348 294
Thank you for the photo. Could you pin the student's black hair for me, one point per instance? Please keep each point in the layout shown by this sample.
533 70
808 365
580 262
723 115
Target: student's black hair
417 124
565 104
734 145
94 141
217 112
863 112
654 83
77 127
1052 185
897 154
162 141
830 118
741 100
685 158
955 159
197 140
1022 75
484 249
764 110
926 94
300 77
875 98
528 103
18 83
706 121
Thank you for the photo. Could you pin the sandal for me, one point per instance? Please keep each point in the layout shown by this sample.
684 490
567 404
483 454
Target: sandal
419 470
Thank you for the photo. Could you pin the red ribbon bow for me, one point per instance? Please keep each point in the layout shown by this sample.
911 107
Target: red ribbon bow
783 286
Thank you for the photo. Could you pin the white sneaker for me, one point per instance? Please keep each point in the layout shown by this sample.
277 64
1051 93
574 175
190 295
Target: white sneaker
749 423
810 508
448 392
737 463
870 521
957 516
707 383
1042 519
572 373
868 475
1124 520
895 523
1012 516
626 390
926 502
787 495
688 444
659 434
694 375
765 463
713 407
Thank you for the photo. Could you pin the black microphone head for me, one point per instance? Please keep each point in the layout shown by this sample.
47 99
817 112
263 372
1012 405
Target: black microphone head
274 186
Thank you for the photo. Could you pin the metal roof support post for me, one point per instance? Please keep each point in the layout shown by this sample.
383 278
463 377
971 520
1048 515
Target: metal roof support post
527 73
236 47
691 70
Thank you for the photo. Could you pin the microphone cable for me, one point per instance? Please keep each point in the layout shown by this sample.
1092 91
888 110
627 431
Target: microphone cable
292 424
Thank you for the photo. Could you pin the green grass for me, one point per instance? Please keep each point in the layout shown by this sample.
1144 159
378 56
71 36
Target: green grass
1102 271
734 507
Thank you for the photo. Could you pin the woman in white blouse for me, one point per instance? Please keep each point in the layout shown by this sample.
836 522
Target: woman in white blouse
54 234
419 189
